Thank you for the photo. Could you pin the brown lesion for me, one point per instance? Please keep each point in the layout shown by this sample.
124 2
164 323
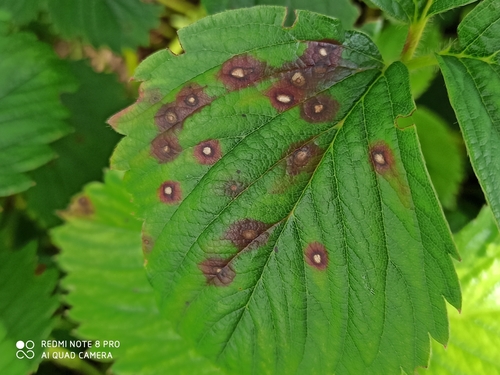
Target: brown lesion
217 271
381 157
190 99
284 95
80 206
165 147
316 256
208 152
233 188
303 158
241 71
320 108
170 192
247 233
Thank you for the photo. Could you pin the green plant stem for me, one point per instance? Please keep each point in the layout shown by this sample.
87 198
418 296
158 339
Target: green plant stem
74 364
421 62
414 35
180 6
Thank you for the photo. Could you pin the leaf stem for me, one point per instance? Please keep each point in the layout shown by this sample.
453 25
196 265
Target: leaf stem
421 62
414 35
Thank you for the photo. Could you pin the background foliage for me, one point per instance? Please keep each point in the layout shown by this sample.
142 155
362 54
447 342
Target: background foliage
71 266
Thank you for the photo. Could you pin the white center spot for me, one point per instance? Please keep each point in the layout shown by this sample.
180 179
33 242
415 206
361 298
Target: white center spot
171 117
238 73
298 79
284 98
379 158
323 52
217 270
166 149
207 150
318 108
168 190
317 258
191 99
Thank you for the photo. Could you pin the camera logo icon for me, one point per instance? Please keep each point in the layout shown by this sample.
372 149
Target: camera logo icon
25 349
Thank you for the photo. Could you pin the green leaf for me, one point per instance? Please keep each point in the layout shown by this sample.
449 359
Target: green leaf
475 332
288 213
116 24
412 11
472 76
391 42
27 305
442 153
83 154
21 11
31 114
344 10
108 291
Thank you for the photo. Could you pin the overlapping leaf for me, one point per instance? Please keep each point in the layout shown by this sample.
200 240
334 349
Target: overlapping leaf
83 154
31 114
108 289
344 10
411 10
21 11
472 75
475 332
27 305
291 223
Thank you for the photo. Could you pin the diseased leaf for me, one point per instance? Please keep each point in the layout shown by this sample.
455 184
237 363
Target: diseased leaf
83 154
344 10
116 24
27 305
475 332
472 75
411 10
287 212
31 114
108 291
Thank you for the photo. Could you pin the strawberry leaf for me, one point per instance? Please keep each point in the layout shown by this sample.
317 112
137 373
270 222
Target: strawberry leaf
290 224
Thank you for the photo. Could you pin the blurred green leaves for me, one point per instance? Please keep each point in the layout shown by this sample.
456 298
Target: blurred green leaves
27 304
31 113
474 345
83 154
109 295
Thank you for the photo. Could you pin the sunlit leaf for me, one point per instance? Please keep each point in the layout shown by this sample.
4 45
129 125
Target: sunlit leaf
27 305
475 332
109 295
31 114
472 74
286 211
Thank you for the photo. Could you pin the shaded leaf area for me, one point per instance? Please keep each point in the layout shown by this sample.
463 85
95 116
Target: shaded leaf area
344 10
443 153
83 154
414 10
27 305
21 11
31 113
391 42
475 332
472 75
116 24
109 294
284 210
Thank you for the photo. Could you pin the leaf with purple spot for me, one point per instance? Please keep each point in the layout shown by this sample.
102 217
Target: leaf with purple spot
284 211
